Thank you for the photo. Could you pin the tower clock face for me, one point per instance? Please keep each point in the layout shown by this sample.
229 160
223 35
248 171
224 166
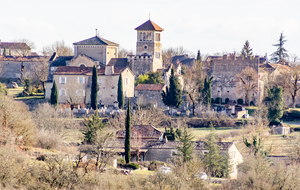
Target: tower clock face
145 47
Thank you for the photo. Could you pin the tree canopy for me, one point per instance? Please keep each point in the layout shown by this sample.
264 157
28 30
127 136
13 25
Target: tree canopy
280 53
246 50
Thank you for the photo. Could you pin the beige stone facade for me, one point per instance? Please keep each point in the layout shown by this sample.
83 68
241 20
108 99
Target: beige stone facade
75 83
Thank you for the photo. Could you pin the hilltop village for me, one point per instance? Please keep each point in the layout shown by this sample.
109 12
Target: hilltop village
95 111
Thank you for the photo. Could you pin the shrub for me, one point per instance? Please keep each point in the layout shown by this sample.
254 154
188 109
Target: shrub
121 161
154 165
48 139
252 103
133 166
212 101
240 101
218 100
226 100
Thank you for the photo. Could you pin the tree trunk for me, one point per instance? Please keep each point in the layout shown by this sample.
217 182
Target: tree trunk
193 104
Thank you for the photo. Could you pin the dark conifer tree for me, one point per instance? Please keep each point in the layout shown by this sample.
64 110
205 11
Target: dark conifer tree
94 89
54 95
127 135
120 92
280 53
172 96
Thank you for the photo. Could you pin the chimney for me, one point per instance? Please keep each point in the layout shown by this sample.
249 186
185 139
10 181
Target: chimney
109 70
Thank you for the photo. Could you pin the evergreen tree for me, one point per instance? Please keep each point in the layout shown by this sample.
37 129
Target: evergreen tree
154 78
4 52
199 58
246 50
127 135
54 95
10 52
92 124
215 164
275 104
280 53
206 92
185 148
120 92
173 94
94 89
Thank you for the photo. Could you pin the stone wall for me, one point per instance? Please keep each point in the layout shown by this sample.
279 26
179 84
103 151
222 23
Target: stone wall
141 65
162 155
224 70
153 97
16 69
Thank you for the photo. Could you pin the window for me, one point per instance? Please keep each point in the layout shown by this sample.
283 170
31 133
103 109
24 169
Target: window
126 81
157 37
141 36
125 92
157 55
63 80
81 80
62 92
82 65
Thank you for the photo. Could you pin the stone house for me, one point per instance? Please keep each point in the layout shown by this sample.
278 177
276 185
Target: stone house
149 144
19 67
75 82
149 94
14 49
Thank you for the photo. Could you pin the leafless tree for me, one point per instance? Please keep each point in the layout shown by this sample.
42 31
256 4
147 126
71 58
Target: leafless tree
40 73
59 47
291 80
248 83
122 52
22 47
167 54
193 80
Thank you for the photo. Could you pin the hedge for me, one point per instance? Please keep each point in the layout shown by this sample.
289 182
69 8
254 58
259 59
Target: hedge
133 166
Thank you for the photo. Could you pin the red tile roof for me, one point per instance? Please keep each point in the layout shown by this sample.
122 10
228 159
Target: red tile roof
22 58
150 87
70 70
149 25
14 45
142 132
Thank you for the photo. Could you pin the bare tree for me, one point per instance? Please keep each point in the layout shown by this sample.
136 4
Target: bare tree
167 54
292 78
59 47
248 83
123 52
22 47
40 73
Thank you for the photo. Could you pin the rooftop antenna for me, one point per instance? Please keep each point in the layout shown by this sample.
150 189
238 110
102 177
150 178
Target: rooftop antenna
96 32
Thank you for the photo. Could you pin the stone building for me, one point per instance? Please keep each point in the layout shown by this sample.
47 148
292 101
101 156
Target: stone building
73 73
149 94
224 69
14 49
148 49
149 144
19 67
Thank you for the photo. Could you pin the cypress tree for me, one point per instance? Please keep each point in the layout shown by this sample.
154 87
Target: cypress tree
54 95
199 58
4 52
127 135
173 94
206 92
94 89
275 103
120 92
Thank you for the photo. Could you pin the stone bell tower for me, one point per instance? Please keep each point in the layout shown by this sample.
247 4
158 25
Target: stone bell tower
148 49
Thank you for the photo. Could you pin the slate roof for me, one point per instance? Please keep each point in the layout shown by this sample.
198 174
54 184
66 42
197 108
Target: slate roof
157 87
149 25
96 40
14 45
70 70
118 62
61 60
184 60
141 132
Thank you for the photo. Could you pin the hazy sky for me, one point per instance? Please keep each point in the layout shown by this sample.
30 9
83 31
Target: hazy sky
209 25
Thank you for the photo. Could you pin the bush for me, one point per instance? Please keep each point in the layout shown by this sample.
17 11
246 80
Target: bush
252 103
48 139
121 161
212 101
240 101
133 166
218 100
226 100
154 165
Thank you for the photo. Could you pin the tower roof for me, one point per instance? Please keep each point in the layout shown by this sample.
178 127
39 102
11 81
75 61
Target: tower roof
149 25
96 40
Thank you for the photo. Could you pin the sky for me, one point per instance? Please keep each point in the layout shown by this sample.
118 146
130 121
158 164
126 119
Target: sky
213 26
